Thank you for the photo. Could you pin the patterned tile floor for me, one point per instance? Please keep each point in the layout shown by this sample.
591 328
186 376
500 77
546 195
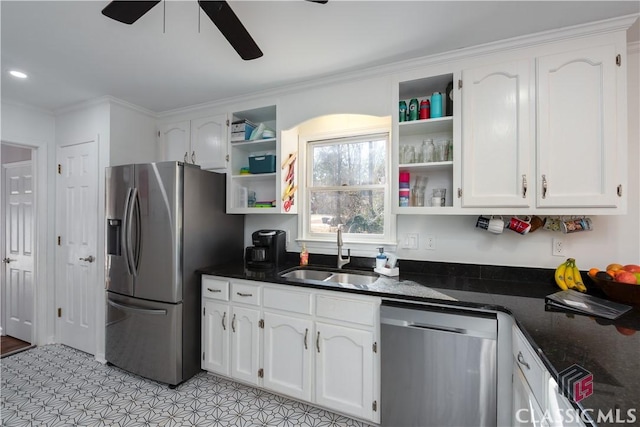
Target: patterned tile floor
55 385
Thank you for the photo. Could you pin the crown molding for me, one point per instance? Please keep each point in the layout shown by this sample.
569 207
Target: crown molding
530 40
107 99
14 103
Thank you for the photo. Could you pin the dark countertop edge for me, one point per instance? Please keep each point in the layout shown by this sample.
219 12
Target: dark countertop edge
419 275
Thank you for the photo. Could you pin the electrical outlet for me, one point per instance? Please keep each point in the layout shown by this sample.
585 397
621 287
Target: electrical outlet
557 247
430 243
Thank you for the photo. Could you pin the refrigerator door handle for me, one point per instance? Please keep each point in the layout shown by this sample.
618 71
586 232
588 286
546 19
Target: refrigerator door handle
135 208
137 309
126 231
129 211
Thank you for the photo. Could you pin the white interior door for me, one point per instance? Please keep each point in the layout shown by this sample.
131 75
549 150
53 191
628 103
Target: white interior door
19 249
77 232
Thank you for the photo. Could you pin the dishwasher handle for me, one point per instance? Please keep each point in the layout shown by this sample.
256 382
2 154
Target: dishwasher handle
438 328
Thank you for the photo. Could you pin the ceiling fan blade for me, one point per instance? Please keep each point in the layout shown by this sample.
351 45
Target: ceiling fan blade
128 12
230 26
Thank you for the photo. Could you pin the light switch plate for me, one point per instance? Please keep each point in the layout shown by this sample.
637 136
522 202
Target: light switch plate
410 241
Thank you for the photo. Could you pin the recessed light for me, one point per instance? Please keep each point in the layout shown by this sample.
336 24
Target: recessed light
18 74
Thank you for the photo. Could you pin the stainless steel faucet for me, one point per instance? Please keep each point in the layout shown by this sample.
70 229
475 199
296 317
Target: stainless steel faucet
342 261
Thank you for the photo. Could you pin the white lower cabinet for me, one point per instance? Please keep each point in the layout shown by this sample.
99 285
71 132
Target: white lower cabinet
344 369
215 336
536 399
288 355
526 409
312 345
245 344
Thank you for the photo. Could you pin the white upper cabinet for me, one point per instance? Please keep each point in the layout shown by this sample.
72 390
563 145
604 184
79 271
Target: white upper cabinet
577 128
200 141
497 135
209 142
175 141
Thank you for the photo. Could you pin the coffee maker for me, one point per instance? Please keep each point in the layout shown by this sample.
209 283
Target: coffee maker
268 250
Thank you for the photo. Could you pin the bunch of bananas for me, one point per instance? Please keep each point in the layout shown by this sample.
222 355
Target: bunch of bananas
568 276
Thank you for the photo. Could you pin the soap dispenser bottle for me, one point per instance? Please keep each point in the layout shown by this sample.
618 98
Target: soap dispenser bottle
304 256
381 258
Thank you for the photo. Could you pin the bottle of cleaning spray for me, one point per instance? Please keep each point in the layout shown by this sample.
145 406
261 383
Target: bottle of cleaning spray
304 256
381 258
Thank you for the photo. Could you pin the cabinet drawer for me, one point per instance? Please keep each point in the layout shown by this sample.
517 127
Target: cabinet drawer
245 293
347 310
283 299
215 289
530 364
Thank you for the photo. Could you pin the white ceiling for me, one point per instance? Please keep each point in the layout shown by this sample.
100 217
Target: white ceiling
73 53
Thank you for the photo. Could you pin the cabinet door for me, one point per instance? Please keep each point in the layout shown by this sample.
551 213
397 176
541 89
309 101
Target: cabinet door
497 135
577 132
175 141
526 409
215 337
208 142
245 344
344 369
287 355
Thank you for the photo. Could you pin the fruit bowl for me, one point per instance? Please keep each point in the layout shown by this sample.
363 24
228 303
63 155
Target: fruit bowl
618 291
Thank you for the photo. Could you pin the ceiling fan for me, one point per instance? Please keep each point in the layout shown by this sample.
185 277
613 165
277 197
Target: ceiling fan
219 12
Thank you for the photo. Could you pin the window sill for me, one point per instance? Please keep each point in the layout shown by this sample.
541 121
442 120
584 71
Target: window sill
330 247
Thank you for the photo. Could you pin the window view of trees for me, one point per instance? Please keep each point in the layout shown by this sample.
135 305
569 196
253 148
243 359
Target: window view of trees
348 182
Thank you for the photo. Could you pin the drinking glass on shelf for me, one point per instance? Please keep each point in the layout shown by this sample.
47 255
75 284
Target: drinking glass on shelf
441 150
438 197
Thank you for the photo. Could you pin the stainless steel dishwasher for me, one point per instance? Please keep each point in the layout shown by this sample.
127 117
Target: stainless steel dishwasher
438 366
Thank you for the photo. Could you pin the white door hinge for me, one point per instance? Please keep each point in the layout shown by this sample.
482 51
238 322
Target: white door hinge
375 347
59 169
375 406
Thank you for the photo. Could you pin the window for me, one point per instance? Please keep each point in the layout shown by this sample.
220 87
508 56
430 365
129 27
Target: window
347 186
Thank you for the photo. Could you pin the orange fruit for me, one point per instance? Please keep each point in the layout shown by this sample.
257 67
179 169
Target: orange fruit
593 271
612 273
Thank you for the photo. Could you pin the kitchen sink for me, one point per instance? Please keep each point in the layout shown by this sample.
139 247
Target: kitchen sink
330 278
308 275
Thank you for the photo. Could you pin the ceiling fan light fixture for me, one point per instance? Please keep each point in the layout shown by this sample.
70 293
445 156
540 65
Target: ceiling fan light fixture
18 74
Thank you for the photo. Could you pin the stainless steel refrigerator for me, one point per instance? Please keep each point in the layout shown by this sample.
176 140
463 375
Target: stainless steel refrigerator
164 221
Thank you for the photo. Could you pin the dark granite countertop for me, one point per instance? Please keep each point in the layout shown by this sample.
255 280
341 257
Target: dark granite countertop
610 350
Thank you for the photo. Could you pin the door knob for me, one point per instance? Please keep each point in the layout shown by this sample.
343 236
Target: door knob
90 258
8 260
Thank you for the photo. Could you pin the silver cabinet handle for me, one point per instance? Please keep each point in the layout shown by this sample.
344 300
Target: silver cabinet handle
522 361
8 260
193 157
90 258
544 186
524 186
318 342
214 290
224 323
244 295
306 332
233 323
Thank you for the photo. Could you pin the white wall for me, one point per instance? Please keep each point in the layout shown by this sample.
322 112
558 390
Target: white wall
35 128
133 135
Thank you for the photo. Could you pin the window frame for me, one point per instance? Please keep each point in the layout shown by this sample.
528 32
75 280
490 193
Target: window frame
364 241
